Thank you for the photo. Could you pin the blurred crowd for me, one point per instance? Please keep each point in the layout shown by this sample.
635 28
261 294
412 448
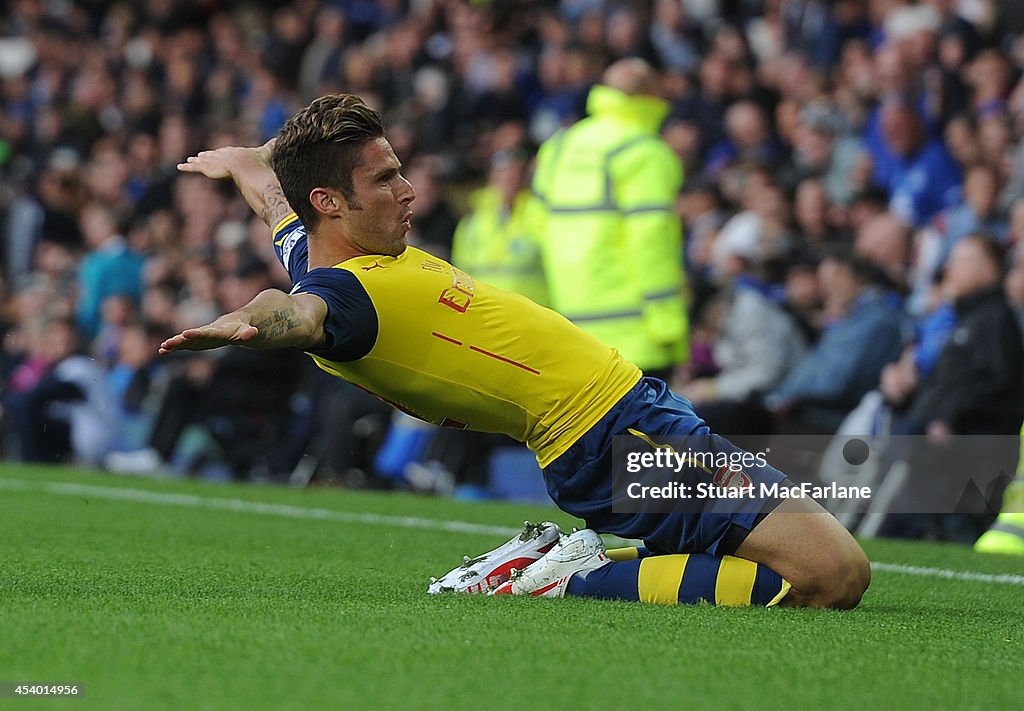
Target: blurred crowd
839 157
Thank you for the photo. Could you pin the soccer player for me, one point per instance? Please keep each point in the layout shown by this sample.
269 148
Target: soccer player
426 337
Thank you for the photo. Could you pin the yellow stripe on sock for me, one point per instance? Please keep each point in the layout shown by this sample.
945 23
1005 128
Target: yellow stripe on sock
735 581
660 577
786 587
621 554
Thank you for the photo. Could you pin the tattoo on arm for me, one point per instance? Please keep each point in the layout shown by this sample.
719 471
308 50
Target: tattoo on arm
277 324
275 204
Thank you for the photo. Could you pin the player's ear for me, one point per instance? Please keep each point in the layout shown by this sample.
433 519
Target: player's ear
326 202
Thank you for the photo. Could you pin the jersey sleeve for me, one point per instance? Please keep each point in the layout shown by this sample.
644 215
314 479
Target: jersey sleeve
351 323
289 237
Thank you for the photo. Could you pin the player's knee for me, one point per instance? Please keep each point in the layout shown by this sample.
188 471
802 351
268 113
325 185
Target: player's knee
841 583
853 580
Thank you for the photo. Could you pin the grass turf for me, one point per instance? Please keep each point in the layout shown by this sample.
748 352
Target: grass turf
165 605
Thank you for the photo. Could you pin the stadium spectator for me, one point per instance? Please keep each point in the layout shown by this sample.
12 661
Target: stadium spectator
608 230
866 205
748 139
115 313
855 91
814 222
976 386
702 212
29 355
918 173
160 305
977 214
110 269
819 30
55 275
66 414
989 79
821 150
755 345
994 143
884 242
861 335
565 74
324 54
493 241
135 381
48 214
704 105
801 294
762 227
961 138
978 211
672 38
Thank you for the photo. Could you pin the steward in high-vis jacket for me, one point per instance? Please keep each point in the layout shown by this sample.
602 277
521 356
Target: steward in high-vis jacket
494 241
609 233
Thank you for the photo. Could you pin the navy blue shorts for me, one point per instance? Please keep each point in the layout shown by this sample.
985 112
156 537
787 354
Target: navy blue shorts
580 481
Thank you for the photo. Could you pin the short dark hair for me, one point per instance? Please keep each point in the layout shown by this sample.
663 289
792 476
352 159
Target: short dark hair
993 251
862 268
320 146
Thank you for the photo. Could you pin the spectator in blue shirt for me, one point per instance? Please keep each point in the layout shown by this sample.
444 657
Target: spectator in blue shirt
917 171
110 269
862 335
748 139
977 214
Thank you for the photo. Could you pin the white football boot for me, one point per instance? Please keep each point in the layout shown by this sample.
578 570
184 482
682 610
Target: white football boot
486 572
579 552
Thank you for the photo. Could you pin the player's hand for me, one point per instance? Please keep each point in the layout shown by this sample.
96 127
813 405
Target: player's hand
224 331
222 163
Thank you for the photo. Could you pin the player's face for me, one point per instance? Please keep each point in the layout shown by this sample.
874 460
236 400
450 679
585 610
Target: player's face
382 196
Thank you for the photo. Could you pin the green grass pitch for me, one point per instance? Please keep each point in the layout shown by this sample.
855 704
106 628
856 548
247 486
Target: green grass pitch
185 595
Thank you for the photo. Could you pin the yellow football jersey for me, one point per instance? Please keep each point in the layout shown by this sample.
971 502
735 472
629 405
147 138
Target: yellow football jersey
424 336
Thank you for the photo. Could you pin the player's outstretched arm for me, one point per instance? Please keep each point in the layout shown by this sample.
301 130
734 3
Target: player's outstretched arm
250 168
273 319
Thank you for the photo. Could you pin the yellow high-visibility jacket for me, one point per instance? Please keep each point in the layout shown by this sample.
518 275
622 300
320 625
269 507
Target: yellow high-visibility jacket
495 245
610 237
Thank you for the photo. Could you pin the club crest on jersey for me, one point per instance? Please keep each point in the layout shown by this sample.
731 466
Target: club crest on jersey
460 294
727 477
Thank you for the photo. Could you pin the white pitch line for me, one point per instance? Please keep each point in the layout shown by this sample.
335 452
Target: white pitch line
285 511
373 519
948 574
